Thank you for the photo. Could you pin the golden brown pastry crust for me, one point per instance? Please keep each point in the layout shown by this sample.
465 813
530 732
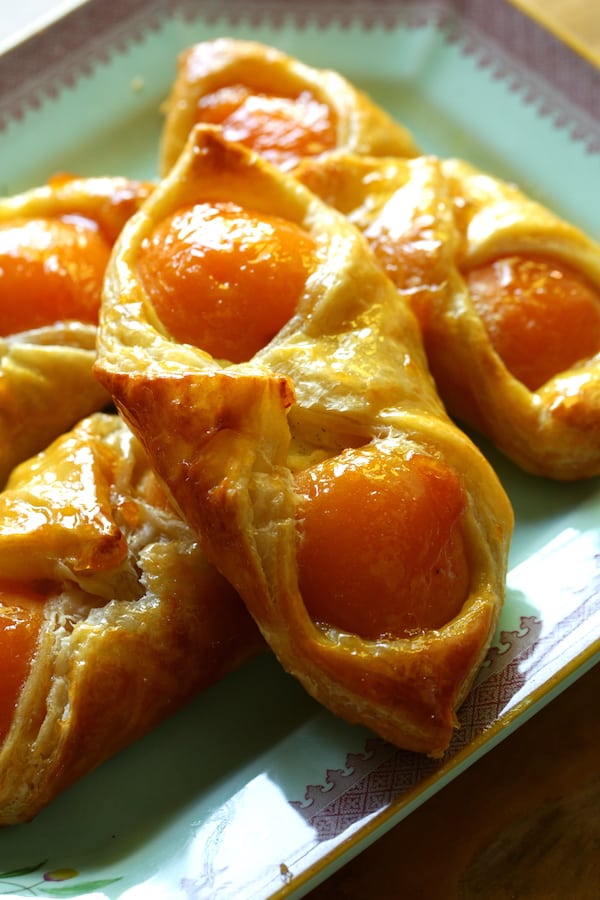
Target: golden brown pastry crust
348 369
554 431
361 126
430 221
139 621
46 383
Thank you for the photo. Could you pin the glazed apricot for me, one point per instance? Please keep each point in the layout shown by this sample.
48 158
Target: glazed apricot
381 547
224 278
542 317
51 270
281 129
21 608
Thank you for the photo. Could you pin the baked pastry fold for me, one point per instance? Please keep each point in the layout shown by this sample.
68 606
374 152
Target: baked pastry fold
344 378
435 222
46 383
111 616
274 103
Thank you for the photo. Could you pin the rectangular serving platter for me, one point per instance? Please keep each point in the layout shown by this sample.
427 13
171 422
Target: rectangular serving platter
254 791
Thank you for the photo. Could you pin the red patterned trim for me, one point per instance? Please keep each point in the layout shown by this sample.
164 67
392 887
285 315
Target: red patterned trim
379 777
545 73
382 775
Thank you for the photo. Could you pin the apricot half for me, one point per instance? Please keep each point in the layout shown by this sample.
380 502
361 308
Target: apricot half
224 278
281 129
51 270
541 316
381 548
21 610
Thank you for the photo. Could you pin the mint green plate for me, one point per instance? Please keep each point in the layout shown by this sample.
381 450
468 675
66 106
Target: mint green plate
254 791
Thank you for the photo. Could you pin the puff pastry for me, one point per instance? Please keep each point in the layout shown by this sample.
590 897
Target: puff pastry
506 292
111 617
338 403
55 241
275 104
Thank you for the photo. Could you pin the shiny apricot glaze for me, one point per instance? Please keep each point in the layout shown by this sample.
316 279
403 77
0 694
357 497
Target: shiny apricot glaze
21 610
224 278
51 270
542 317
281 129
381 548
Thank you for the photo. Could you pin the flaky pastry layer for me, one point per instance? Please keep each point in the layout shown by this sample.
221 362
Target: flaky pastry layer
430 221
360 125
347 370
46 384
135 622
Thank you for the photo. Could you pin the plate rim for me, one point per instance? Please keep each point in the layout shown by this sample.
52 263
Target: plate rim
133 11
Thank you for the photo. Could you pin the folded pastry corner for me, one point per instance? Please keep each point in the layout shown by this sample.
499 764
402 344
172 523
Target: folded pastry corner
506 292
275 104
526 313
110 616
55 241
260 353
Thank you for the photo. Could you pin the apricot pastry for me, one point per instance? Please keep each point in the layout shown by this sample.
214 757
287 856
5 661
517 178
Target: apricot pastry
366 534
110 616
506 292
531 330
274 104
55 241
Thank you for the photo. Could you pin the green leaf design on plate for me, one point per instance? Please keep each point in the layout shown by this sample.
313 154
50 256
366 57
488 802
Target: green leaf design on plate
26 870
72 890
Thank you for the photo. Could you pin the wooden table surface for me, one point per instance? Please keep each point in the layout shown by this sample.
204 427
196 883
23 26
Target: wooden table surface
577 22
522 823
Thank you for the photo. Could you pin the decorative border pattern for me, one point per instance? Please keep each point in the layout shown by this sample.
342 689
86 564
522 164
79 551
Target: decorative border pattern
546 75
381 775
533 63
